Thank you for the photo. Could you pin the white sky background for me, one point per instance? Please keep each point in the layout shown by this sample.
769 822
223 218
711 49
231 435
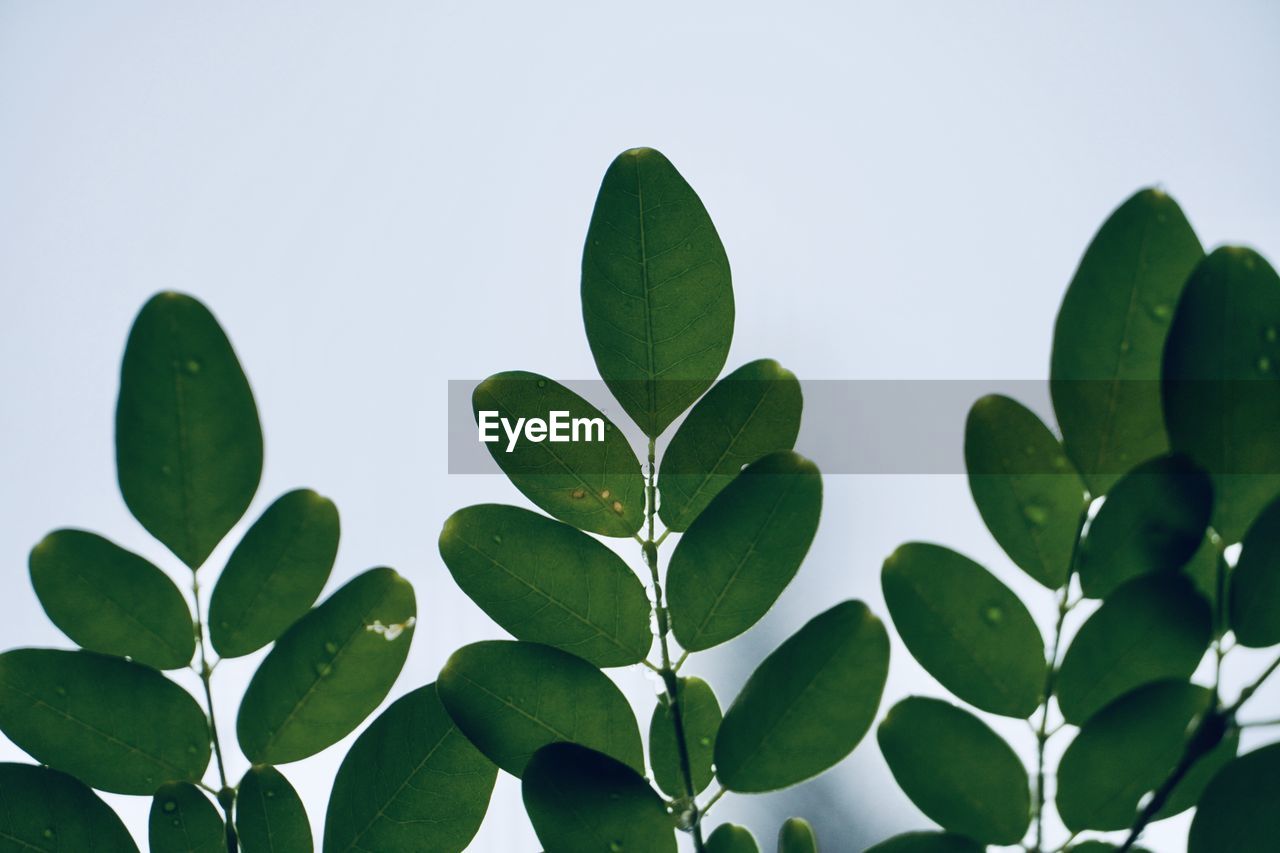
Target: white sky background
375 198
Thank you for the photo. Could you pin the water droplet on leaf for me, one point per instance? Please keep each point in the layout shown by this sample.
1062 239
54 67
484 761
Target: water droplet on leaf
993 615
497 540
331 647
1264 364
1035 514
170 805
579 494
193 366
542 383
605 494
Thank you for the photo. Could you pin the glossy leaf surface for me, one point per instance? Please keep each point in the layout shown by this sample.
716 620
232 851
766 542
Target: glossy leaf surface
731 838
1238 810
700 717
928 842
797 836
47 811
270 817
183 820
1255 583
188 442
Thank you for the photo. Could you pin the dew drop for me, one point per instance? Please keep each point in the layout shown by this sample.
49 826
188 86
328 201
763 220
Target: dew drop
1264 364
1270 335
615 847
1162 311
323 669
605 494
271 795
579 494
192 366
497 540
191 750
704 741
170 806
993 615
617 507
1035 514
331 647
48 833
177 822
60 690
542 383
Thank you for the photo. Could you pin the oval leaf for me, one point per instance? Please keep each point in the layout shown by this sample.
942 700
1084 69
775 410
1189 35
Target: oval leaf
808 704
1029 495
1238 810
657 299
741 552
1222 382
111 600
928 842
700 718
1255 583
1153 521
49 811
188 442
579 799
547 582
116 725
1152 628
1110 334
594 485
966 628
411 781
750 413
329 671
270 817
1127 749
797 836
956 770
731 838
511 698
275 574
184 821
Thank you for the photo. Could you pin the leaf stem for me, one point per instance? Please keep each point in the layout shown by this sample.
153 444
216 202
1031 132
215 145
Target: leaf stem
206 673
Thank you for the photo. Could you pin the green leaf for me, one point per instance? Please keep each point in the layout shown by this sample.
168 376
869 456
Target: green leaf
1111 332
966 628
1128 749
956 770
1255 583
1222 382
547 582
110 600
1101 847
1152 628
750 413
700 717
270 817
928 842
1027 492
808 704
118 726
411 781
594 485
743 550
797 836
1153 520
657 299
50 812
275 574
1238 810
579 799
184 821
188 442
329 671
731 838
511 698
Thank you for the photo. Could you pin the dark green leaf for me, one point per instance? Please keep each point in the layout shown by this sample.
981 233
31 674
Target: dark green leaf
956 770
928 842
111 600
275 574
1029 495
1127 749
329 671
751 413
1153 520
579 799
1222 382
410 782
50 812
511 698
1238 810
116 725
1255 582
184 821
188 443
743 550
547 582
731 838
270 817
966 628
1110 334
657 299
594 485
808 704
1152 628
700 718
797 836
1101 847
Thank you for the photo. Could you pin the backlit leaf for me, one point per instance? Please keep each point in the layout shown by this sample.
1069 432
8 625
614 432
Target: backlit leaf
738 555
188 442
270 817
928 842
184 821
808 704
50 812
547 582
111 600
731 838
1237 812
329 671
797 836
1255 582
657 300
700 717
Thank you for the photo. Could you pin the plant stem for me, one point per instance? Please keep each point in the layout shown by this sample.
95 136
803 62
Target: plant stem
206 673
668 673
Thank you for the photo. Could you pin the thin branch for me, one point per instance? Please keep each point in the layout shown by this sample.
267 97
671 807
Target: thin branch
206 673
